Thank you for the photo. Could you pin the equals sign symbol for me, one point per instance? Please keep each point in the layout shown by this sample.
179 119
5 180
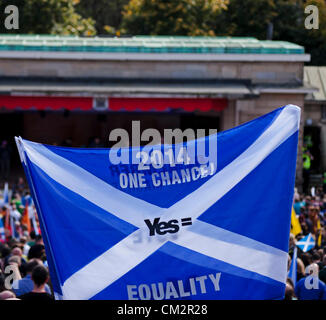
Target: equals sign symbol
186 222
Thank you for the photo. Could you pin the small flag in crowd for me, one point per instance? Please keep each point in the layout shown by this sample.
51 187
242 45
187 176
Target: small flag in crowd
179 233
13 228
2 231
6 195
293 268
307 243
295 224
319 233
14 216
25 219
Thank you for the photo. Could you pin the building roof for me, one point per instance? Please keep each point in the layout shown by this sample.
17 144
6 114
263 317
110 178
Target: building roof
316 77
147 44
142 88
125 88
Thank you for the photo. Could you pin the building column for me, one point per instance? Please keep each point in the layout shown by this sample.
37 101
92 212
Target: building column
323 145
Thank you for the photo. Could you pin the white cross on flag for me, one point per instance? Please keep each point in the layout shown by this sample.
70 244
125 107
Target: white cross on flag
307 243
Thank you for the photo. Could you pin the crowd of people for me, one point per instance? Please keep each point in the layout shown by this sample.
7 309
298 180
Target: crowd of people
310 277
24 271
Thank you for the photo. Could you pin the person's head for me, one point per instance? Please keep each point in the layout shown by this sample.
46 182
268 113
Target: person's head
12 242
23 240
5 251
40 276
2 281
316 257
306 259
32 235
37 251
15 260
304 228
324 260
291 240
5 295
313 211
321 253
31 264
300 267
39 240
289 290
16 252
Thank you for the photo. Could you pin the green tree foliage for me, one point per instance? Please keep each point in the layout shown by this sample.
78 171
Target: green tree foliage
315 40
49 17
246 18
252 17
106 13
170 17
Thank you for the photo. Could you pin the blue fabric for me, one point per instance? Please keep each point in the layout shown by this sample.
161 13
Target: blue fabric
307 243
25 285
304 293
76 231
293 268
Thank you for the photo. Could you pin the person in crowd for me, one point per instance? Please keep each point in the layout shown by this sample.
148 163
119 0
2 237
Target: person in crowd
67 143
37 250
5 252
289 290
96 143
40 277
26 284
322 272
19 187
2 281
16 251
312 219
311 287
29 247
7 295
25 246
32 236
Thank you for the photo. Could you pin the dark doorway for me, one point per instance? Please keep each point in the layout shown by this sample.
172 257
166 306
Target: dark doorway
195 122
11 125
312 143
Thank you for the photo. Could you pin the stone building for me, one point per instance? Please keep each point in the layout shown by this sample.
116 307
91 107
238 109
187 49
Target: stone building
315 116
53 88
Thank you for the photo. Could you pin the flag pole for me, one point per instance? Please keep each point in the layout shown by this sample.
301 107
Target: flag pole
22 154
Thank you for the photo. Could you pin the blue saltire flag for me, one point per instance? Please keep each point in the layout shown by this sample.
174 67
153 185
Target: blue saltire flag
178 231
27 200
307 243
293 268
